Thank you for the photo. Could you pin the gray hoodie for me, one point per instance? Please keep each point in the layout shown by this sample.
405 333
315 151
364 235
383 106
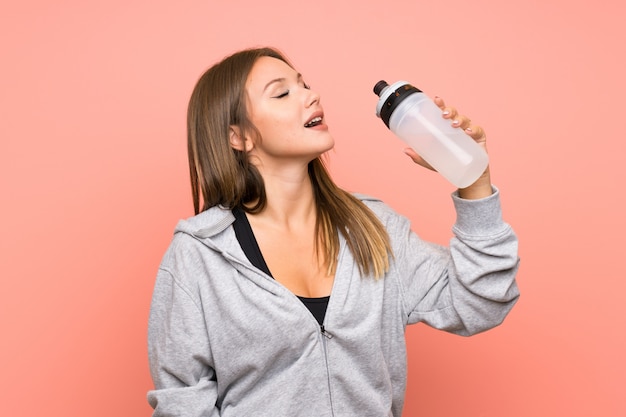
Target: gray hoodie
225 339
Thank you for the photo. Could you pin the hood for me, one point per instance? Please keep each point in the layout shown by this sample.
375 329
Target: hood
206 224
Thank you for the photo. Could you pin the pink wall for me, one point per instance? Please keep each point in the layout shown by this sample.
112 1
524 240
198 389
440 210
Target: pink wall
93 178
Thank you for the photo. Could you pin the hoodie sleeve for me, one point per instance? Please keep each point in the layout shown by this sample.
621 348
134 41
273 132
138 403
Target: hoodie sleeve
469 287
179 353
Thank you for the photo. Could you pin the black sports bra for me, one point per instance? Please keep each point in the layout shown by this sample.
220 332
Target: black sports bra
317 306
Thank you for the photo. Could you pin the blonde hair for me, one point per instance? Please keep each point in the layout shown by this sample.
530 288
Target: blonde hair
222 175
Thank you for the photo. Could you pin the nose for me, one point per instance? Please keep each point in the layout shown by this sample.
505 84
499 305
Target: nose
312 98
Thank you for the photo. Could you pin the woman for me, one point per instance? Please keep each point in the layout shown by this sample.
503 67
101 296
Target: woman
287 296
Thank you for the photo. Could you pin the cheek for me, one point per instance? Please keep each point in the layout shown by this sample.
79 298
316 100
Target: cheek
277 127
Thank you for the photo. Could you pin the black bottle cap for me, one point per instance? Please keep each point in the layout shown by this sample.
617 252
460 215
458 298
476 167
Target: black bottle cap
380 86
394 98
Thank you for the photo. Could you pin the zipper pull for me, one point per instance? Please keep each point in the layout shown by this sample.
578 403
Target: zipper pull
325 333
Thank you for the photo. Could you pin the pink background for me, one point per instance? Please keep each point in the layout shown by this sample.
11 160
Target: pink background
93 177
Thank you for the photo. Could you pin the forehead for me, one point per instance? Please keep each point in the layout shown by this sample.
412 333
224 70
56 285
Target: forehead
265 70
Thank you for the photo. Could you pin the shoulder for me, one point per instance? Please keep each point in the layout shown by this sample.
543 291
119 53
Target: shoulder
390 218
207 223
368 200
192 236
378 206
197 248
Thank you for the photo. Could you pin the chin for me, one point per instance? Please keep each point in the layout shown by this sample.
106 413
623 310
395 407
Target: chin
330 141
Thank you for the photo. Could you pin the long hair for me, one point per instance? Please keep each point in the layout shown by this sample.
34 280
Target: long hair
222 175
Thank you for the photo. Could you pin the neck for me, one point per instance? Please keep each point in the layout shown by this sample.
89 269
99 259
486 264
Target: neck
290 197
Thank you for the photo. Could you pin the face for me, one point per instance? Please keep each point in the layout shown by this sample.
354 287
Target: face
287 114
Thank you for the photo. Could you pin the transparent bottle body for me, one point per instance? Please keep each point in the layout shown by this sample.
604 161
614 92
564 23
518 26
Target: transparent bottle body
449 150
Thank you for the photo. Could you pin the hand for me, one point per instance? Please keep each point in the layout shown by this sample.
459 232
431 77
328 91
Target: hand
482 186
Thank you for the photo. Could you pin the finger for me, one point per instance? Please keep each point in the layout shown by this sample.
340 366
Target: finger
439 102
477 133
461 121
449 113
417 159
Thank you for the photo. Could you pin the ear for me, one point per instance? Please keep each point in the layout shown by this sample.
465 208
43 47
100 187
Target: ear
238 141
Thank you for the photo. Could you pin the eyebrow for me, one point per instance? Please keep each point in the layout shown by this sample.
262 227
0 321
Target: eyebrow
278 80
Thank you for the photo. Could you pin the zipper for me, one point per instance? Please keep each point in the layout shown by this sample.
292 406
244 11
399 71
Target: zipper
325 333
325 337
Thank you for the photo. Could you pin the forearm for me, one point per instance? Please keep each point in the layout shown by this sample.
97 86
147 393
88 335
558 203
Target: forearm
485 257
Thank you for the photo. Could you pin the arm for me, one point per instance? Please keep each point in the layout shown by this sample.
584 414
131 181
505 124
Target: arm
464 289
179 353
484 263
471 286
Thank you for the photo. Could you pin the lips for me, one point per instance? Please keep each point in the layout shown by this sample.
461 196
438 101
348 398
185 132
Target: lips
316 119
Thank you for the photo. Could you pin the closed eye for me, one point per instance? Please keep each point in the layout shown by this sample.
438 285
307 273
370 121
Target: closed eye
282 94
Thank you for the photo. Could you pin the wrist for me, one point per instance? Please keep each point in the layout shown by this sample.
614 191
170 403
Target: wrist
481 188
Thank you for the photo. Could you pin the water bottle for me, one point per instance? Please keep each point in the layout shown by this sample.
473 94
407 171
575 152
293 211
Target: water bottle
417 120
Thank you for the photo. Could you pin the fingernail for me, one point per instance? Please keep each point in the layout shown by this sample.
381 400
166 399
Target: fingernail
456 122
446 112
468 130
